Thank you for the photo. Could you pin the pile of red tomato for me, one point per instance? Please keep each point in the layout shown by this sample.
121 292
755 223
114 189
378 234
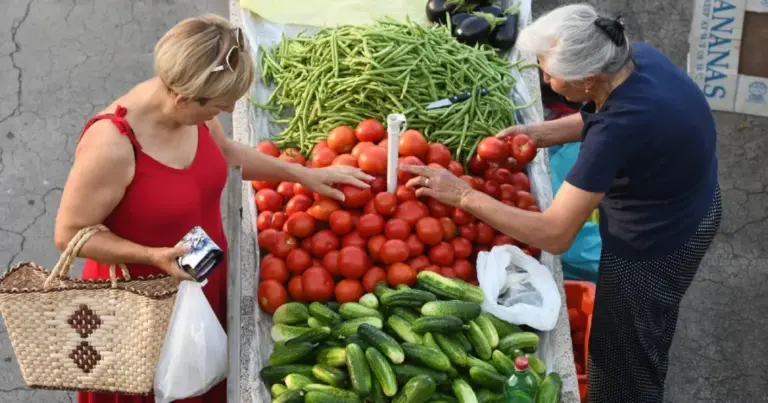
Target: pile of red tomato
317 249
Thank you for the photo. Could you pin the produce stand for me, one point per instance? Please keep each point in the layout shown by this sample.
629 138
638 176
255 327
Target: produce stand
254 325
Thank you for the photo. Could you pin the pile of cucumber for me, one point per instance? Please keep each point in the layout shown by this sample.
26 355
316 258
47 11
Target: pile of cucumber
431 343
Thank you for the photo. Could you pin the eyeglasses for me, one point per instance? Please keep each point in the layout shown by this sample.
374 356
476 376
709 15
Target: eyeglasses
233 55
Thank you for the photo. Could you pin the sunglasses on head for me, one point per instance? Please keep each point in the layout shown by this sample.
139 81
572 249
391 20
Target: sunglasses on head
230 62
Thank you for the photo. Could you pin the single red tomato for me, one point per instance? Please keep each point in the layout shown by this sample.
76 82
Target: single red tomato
523 148
345 160
441 254
462 248
317 284
271 295
502 176
330 261
372 277
378 184
323 208
405 193
450 230
294 289
370 130
354 239
374 245
456 168
477 166
490 173
264 220
412 143
438 209
385 203
293 156
394 251
492 188
411 211
285 189
300 224
429 230
401 273
323 158
273 268
268 200
484 233
448 272
299 189
420 262
463 269
340 222
352 262
403 176
508 193
501 239
269 148
355 197
359 147
341 139
370 208
284 243
433 269
259 185
324 242
267 238
348 290
397 228
461 217
278 221
524 199
521 181
468 231
438 154
415 246
492 149
370 225
320 145
373 160
298 260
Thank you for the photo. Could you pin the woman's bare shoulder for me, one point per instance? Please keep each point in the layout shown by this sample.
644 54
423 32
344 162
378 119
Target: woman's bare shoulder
104 150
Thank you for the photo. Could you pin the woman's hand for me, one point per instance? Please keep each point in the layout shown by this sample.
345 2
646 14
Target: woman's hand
513 131
165 260
437 183
322 180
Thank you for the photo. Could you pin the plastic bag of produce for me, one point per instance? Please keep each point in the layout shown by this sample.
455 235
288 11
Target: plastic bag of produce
194 355
518 288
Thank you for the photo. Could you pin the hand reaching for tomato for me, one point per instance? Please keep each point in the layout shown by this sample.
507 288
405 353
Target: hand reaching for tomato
322 180
437 183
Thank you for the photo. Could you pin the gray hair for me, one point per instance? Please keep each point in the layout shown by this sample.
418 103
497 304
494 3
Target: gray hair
574 46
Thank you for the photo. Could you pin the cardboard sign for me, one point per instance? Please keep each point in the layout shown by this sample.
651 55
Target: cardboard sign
727 56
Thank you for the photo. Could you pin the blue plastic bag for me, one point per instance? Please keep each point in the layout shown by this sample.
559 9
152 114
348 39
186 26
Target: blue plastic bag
581 260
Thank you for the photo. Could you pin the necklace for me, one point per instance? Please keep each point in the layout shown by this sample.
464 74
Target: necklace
617 81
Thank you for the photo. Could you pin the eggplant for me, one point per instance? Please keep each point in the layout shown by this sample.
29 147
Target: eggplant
438 9
479 2
457 19
504 35
492 9
473 30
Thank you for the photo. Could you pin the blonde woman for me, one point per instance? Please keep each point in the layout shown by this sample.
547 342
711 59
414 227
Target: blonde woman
153 164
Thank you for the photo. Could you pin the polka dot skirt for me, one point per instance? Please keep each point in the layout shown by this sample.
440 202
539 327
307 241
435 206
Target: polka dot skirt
635 315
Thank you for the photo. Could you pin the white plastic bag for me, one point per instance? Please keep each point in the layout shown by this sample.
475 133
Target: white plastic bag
518 288
194 355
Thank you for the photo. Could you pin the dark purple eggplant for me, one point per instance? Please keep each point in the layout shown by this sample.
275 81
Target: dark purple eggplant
504 35
473 30
492 9
479 2
457 19
438 9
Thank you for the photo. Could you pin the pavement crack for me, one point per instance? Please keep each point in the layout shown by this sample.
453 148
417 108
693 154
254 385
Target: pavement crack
34 220
17 48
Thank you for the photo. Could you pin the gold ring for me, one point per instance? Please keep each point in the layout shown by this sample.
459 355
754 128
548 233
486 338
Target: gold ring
426 182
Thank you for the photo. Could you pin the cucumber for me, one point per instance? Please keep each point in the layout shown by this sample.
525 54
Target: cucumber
380 289
355 338
407 297
454 289
461 309
406 313
429 341
476 362
418 390
277 390
452 349
324 314
442 398
330 375
290 396
340 395
291 313
550 388
377 394
523 341
382 341
322 397
536 364
489 379
350 327
462 338
354 310
463 391
427 356
503 328
369 300
276 373
313 322
404 372
282 332
332 356
403 329
333 305
503 364
290 354
383 373
297 381
359 372
488 330
313 335
402 287
486 396
438 324
479 343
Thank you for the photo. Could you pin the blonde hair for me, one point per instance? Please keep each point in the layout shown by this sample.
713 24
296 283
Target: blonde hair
187 54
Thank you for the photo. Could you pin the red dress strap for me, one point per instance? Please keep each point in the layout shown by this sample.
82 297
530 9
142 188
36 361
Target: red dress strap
117 119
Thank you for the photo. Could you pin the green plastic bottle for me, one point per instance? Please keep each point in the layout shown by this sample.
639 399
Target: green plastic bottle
522 385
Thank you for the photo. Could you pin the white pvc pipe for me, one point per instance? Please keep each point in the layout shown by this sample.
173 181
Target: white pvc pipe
395 125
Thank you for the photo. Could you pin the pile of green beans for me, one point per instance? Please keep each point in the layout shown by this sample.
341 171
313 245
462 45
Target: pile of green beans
343 75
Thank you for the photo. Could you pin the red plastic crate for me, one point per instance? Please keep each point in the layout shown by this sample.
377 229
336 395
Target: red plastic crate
580 300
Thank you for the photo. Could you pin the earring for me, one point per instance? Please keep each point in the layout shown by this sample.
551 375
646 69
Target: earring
586 90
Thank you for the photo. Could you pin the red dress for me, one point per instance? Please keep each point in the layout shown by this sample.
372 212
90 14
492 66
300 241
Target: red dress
160 205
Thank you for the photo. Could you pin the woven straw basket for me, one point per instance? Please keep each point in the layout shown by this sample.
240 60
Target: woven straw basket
87 335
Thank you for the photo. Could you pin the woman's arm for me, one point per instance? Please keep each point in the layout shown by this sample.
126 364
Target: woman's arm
103 168
551 132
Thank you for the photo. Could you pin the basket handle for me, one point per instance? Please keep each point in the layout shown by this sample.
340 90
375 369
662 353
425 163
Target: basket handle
64 265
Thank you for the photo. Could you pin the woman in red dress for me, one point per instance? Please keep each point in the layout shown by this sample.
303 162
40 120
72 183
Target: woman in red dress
153 165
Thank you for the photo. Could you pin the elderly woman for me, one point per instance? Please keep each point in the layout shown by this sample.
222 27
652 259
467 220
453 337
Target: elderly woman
647 160
153 164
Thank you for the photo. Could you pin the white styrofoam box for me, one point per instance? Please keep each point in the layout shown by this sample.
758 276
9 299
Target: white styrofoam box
752 95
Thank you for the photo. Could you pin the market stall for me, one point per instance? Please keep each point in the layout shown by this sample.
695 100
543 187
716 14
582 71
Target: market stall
252 125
